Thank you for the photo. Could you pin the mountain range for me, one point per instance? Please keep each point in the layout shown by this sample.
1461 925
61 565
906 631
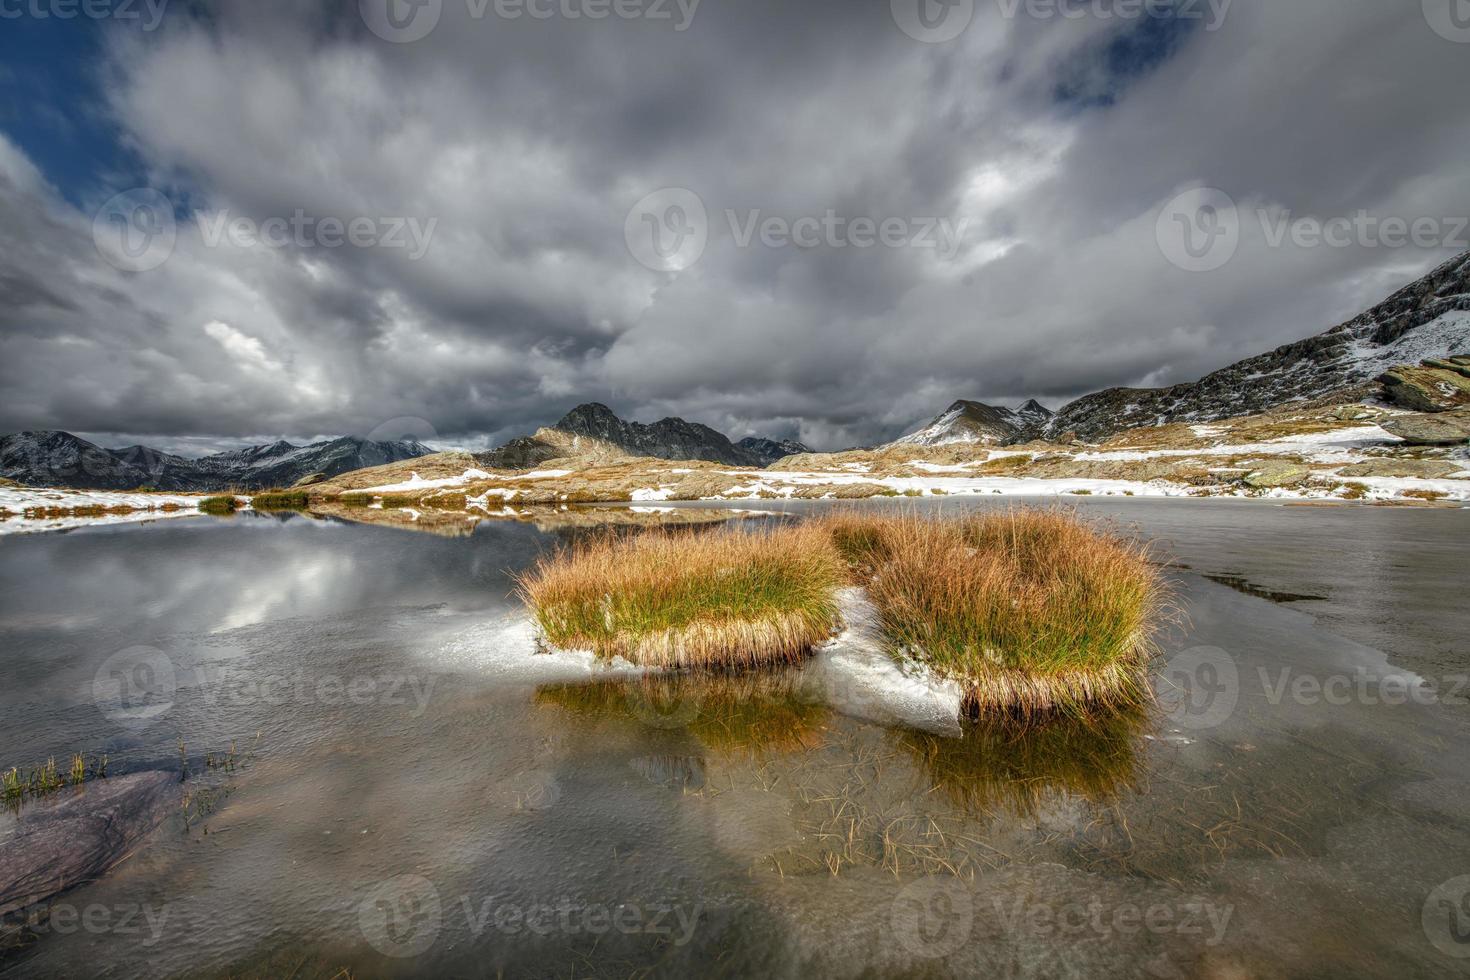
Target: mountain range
976 422
594 429
60 459
1426 320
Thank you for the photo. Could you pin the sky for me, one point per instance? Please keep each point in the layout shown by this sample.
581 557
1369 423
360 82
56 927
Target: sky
229 223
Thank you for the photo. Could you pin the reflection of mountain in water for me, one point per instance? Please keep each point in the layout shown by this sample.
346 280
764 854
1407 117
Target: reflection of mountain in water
1013 767
752 714
552 519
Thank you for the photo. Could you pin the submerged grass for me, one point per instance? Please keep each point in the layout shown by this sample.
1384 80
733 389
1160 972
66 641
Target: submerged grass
1033 611
728 598
18 785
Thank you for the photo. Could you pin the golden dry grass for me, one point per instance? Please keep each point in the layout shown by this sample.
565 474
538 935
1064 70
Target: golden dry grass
1034 611
728 598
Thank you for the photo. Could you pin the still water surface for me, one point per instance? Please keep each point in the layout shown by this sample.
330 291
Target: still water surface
416 793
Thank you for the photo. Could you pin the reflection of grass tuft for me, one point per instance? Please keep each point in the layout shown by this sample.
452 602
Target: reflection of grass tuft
999 765
678 599
1033 611
280 500
226 504
749 714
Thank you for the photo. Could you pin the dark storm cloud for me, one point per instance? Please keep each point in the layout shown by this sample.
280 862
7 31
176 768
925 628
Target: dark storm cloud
1053 142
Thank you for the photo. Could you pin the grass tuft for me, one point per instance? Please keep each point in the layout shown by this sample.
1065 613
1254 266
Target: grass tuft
280 500
728 598
1034 611
219 505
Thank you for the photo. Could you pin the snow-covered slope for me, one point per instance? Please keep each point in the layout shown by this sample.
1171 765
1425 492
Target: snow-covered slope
60 459
1429 318
977 423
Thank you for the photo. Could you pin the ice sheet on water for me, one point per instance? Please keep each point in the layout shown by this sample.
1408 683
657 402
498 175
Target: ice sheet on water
507 647
862 680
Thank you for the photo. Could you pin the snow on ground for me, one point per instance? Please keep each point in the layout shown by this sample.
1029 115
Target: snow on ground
416 482
861 678
1450 332
144 507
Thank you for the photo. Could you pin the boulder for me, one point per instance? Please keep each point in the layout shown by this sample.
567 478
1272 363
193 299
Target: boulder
1429 430
308 480
1423 469
80 833
1437 386
1277 473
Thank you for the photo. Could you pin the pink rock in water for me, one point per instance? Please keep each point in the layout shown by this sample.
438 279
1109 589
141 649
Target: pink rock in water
80 833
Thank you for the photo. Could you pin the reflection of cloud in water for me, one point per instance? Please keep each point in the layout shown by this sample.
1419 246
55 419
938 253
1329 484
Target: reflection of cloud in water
300 578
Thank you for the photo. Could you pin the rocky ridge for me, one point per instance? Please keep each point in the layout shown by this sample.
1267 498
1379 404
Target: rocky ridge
60 459
1429 318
